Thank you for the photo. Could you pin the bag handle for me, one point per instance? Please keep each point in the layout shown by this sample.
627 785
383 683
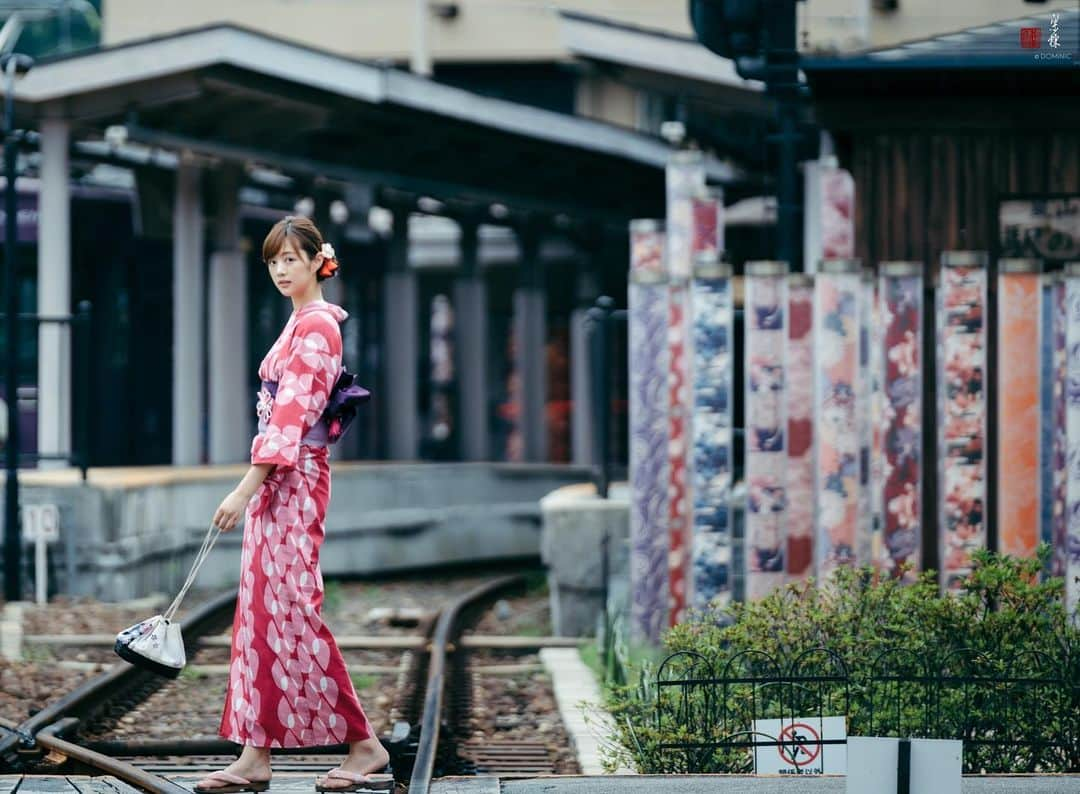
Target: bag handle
200 558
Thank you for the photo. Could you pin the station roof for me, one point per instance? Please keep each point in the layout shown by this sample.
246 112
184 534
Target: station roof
235 94
673 54
979 78
996 46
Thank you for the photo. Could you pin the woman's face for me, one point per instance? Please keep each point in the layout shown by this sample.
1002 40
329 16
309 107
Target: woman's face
292 270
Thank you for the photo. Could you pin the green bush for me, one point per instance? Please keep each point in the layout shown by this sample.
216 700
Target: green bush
997 665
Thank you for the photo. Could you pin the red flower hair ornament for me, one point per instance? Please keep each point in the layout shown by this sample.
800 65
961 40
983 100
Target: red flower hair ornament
329 267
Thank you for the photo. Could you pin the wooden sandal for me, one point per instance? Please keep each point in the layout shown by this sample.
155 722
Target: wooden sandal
374 782
230 784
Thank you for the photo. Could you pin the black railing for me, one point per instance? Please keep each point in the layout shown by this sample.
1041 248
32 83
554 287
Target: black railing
1017 715
79 454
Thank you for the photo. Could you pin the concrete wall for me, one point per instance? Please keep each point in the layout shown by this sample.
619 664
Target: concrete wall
120 542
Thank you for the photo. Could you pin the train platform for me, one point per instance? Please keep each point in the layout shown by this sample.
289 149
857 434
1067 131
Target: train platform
732 784
303 783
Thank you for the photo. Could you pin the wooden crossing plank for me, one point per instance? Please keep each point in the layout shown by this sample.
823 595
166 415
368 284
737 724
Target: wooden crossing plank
102 785
46 784
466 785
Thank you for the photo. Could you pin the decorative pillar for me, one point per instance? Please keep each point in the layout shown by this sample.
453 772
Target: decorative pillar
800 428
864 395
189 378
766 422
530 335
54 293
1056 530
898 491
471 345
1019 304
685 179
648 396
837 295
961 412
401 338
711 458
1072 431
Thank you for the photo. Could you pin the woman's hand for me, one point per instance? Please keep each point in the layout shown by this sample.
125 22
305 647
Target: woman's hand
231 509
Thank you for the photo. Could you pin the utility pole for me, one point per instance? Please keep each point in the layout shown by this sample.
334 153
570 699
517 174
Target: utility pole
760 37
12 64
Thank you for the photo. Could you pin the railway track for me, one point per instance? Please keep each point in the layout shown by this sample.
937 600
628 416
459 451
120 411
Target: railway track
431 738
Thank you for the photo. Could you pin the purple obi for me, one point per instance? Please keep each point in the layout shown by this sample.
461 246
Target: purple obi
317 436
341 407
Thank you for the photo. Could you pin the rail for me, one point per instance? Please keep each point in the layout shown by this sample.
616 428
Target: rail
446 632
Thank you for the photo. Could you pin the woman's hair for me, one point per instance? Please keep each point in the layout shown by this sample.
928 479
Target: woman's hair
305 235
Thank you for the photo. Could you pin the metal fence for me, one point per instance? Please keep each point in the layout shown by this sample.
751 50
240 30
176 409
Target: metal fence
1013 715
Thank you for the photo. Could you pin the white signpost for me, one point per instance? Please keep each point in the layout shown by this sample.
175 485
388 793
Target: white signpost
801 750
40 526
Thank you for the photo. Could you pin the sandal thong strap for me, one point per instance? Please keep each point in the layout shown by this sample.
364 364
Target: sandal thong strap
355 777
229 777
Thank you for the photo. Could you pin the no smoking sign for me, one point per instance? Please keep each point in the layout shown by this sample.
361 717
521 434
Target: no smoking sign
800 749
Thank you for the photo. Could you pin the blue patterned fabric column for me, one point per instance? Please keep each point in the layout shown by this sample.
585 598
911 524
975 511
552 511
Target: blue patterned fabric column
1072 430
864 538
1060 528
1048 385
766 425
711 458
648 364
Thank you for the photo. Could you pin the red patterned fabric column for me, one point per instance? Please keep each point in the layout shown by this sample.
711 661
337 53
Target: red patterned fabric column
685 179
900 543
961 412
800 424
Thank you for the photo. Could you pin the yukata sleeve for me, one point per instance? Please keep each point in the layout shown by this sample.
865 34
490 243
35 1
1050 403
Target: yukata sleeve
312 364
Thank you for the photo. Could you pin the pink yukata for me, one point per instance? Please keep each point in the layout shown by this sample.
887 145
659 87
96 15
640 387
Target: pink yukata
288 686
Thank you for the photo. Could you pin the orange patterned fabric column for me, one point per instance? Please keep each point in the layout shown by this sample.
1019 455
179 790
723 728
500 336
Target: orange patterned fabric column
1019 308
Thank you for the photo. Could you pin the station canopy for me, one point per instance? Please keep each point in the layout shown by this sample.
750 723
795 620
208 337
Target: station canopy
238 95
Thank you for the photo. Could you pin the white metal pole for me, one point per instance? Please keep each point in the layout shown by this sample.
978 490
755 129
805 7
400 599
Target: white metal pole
420 63
40 568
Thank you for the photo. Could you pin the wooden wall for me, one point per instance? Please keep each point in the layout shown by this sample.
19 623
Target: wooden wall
920 193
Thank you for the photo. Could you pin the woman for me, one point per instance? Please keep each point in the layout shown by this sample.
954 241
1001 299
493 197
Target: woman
288 686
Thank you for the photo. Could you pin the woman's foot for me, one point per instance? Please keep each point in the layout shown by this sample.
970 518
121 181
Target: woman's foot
362 770
249 772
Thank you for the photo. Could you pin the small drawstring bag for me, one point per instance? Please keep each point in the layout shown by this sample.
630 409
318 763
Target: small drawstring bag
156 644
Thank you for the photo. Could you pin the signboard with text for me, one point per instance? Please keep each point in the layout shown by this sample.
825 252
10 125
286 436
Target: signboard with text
801 748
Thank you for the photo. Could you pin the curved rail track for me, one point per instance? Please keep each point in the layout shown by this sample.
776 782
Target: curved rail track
422 749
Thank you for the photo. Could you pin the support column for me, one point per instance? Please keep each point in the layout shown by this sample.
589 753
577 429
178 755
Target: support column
530 335
581 373
189 377
230 397
400 325
54 293
471 348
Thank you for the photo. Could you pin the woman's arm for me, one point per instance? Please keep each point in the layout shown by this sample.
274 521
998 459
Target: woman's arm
232 506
